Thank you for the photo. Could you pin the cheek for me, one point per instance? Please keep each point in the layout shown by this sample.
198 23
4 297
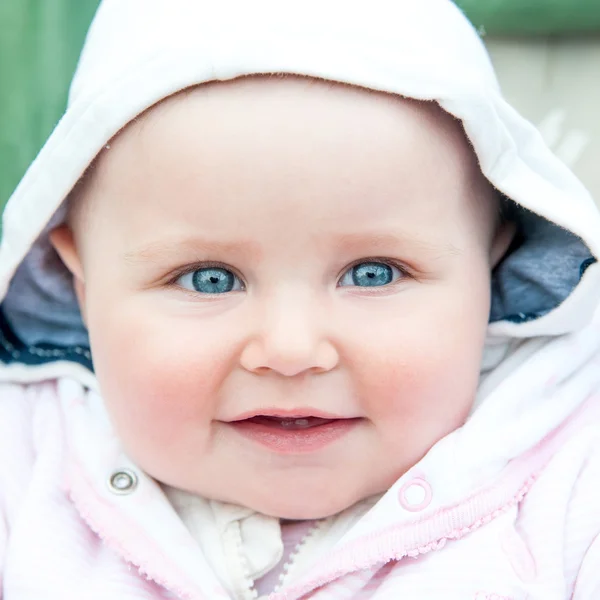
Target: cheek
160 377
417 372
416 385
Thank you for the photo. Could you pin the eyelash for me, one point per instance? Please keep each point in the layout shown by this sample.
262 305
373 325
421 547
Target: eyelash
173 278
377 259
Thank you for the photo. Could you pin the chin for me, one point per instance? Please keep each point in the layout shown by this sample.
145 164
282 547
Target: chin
293 512
297 498
301 507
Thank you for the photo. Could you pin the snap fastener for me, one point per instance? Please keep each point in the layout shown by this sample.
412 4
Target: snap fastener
415 495
122 482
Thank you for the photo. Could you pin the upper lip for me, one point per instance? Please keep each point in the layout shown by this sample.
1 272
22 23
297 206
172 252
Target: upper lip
294 413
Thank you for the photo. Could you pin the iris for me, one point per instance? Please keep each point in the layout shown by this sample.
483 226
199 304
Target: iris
213 280
372 274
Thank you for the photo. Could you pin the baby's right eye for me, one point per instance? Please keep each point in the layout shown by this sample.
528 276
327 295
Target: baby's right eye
210 280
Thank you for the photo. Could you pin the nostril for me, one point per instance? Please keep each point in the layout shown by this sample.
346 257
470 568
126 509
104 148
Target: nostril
261 370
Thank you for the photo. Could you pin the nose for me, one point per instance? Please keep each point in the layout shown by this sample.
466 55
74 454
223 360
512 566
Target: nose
290 339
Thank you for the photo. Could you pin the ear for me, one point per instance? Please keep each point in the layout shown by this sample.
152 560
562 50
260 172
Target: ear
502 241
63 240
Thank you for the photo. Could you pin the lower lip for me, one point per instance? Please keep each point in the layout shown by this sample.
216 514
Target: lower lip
295 441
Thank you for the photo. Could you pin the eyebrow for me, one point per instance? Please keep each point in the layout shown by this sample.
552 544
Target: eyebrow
386 240
163 249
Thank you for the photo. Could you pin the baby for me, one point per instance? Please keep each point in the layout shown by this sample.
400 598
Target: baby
297 307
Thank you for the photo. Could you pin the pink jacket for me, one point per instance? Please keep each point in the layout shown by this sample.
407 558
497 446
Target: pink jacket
504 508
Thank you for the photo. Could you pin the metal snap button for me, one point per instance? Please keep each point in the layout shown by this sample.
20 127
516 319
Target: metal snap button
415 495
122 482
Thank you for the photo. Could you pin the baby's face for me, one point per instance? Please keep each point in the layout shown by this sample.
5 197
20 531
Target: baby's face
286 285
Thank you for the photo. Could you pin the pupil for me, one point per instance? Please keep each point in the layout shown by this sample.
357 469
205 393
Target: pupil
371 274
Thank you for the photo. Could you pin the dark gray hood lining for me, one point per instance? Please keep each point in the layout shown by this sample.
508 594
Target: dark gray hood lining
541 269
543 266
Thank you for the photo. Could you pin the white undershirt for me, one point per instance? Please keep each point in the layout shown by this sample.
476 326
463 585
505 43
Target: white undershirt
250 553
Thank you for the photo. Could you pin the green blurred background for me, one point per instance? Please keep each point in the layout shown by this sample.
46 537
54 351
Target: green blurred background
41 39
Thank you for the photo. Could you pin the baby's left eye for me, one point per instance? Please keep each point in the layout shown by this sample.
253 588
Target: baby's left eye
370 274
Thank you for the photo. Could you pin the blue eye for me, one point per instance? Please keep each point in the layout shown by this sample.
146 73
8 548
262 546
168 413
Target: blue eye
370 274
210 280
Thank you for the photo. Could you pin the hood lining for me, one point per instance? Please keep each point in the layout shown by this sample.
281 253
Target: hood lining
12 350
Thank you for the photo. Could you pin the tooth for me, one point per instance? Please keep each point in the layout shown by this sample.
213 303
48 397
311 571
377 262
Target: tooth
294 422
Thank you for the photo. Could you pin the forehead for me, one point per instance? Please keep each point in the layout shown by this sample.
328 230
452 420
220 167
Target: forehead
290 147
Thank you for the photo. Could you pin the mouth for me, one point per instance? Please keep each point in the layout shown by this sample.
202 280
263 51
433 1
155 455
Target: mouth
289 423
293 433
